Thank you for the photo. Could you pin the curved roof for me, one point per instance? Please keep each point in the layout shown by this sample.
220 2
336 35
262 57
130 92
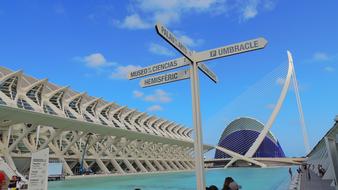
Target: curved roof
240 135
245 123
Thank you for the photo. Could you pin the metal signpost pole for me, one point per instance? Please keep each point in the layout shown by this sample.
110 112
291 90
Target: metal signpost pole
198 143
195 60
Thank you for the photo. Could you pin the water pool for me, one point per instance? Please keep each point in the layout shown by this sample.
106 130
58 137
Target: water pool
248 178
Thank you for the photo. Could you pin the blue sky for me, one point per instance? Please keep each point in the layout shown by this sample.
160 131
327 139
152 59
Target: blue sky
90 45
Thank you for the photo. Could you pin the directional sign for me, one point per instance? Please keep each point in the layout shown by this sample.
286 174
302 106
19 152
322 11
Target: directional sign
160 67
170 37
165 78
38 174
232 49
208 72
195 61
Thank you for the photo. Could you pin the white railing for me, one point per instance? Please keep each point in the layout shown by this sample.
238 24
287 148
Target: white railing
9 171
295 182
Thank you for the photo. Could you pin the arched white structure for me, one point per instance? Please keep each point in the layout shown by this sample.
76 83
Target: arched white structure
36 114
290 75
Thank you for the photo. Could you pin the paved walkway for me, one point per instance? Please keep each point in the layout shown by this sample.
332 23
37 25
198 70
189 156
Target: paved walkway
316 183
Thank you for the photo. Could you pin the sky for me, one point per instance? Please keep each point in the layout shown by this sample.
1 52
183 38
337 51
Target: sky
92 45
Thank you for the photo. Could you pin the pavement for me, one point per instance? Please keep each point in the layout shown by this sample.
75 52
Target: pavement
315 183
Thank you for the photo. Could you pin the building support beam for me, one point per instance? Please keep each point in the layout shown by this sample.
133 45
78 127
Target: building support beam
117 166
173 165
25 132
129 166
54 133
139 165
159 165
331 147
165 164
235 155
153 169
75 139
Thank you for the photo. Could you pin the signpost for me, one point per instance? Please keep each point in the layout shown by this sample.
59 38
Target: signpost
165 78
208 72
232 49
171 39
195 61
160 67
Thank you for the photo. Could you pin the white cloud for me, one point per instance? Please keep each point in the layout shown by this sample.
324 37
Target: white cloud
178 5
144 14
160 50
95 60
249 12
269 5
137 93
133 21
121 72
250 8
169 12
159 95
167 17
320 56
154 108
329 69
188 41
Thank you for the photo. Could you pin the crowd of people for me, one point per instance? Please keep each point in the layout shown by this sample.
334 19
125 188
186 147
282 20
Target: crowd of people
15 183
305 170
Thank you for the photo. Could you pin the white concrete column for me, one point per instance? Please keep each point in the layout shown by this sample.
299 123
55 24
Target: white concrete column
129 166
150 165
166 165
159 165
139 164
117 166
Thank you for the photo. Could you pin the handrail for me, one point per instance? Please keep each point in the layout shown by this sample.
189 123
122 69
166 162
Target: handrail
9 171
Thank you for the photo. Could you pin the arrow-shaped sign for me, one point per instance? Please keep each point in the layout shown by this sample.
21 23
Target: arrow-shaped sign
208 72
160 67
165 78
232 49
170 37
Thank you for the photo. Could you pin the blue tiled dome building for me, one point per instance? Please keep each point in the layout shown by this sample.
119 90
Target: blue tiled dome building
241 133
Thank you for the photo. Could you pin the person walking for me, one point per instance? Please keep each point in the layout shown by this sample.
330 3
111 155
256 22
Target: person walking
308 175
290 172
12 183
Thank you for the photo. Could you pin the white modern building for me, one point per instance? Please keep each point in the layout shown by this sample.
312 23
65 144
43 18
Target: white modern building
325 155
36 114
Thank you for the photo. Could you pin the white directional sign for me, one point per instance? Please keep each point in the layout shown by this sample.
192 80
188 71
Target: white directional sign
165 78
170 37
232 49
38 174
208 72
160 67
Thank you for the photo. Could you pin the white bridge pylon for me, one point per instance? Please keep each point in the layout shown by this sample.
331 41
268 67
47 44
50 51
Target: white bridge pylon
291 74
